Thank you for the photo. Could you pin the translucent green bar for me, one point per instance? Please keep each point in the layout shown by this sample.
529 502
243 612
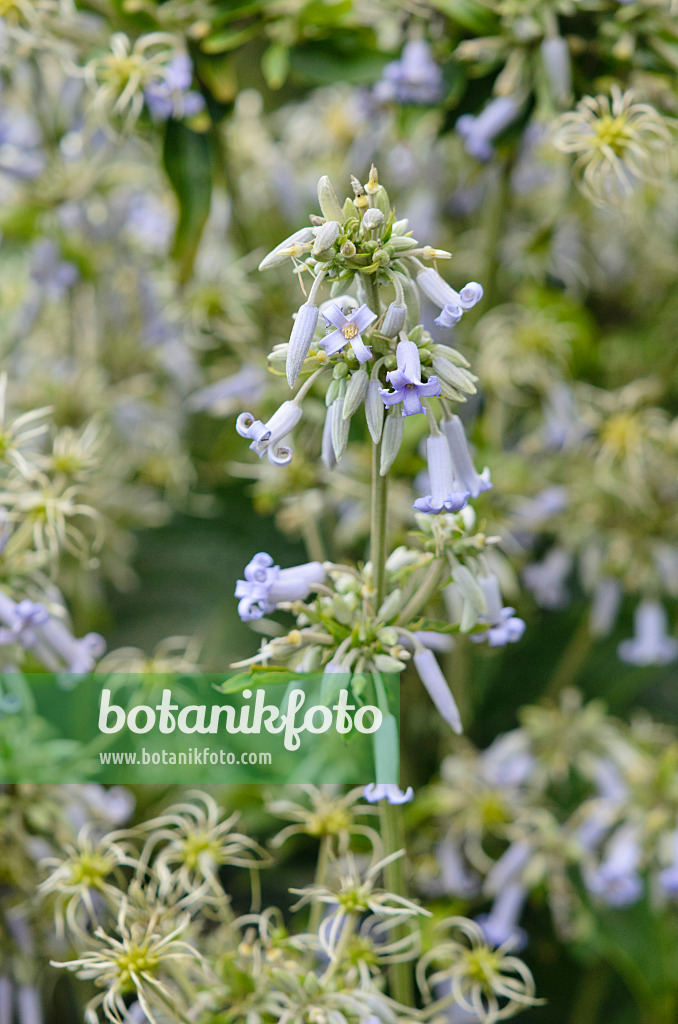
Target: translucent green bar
264 727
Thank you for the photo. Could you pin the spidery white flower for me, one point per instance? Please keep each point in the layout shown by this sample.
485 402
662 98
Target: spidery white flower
618 143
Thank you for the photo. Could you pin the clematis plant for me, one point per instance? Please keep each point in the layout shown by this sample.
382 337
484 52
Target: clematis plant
357 336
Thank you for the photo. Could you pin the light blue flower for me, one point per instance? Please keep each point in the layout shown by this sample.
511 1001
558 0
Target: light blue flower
616 880
446 492
462 464
546 579
21 620
414 78
349 330
480 132
171 96
390 792
266 585
668 878
266 437
500 925
437 688
651 644
407 382
504 627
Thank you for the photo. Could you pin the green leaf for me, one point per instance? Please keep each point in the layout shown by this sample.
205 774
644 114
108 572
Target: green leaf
187 160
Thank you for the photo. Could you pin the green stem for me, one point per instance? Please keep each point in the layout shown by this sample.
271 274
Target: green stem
422 595
378 526
590 996
571 662
321 872
393 838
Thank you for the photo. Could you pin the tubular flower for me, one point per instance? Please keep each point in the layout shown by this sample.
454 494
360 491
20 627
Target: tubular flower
266 437
406 380
651 644
266 585
446 492
504 626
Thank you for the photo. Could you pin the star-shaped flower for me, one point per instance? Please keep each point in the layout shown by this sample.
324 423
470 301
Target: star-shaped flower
348 329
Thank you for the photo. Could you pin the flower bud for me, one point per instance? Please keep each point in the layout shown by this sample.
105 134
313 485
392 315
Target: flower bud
555 55
391 441
394 320
340 428
373 219
374 410
327 198
300 340
287 248
355 391
326 237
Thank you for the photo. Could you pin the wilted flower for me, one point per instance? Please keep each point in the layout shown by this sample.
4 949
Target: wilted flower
121 77
490 983
195 841
141 960
618 144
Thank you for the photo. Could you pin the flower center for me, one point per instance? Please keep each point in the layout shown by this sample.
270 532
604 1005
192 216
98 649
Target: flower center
613 132
349 331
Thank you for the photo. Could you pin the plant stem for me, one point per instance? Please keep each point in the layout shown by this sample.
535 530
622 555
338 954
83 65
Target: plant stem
429 586
378 526
391 815
571 662
321 871
392 837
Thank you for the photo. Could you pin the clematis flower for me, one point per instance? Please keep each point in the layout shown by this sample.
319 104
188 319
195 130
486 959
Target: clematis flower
266 437
390 792
651 644
480 132
437 688
414 78
668 878
171 96
546 579
446 492
616 879
407 382
348 329
464 471
453 304
504 626
266 585
501 924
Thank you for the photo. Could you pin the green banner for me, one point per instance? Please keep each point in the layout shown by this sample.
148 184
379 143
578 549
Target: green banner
263 727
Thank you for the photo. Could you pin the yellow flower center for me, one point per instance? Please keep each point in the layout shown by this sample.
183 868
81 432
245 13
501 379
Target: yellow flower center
621 433
349 331
197 847
329 823
135 961
90 870
613 132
